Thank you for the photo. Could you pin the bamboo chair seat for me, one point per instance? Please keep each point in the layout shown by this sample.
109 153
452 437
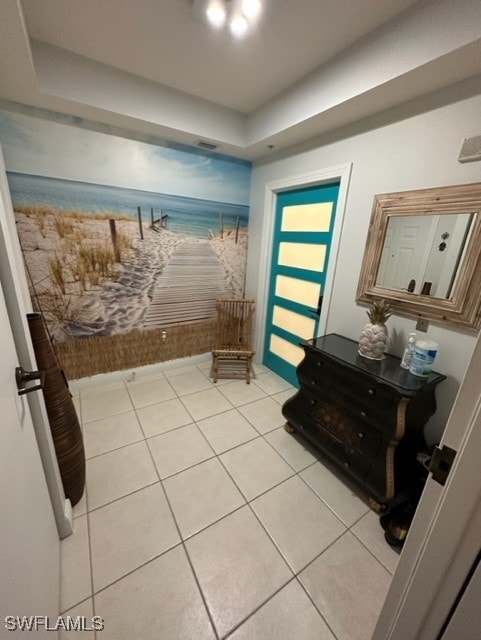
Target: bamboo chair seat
232 353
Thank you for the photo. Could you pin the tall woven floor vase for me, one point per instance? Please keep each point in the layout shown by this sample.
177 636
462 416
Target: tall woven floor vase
64 424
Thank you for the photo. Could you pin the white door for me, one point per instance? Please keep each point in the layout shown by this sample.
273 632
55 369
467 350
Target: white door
17 298
29 531
466 619
29 543
444 541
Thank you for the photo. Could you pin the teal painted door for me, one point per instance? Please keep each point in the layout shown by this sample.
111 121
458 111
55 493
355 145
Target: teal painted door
304 222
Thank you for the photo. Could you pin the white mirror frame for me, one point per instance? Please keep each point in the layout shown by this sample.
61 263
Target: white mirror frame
463 308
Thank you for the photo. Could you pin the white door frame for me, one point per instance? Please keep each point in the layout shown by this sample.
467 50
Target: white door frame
341 173
17 299
443 541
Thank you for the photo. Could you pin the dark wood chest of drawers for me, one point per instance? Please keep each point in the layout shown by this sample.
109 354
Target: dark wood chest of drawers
367 416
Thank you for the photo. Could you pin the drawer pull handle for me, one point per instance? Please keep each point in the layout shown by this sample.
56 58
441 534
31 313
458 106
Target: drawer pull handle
319 363
364 414
312 401
347 464
360 435
371 392
313 383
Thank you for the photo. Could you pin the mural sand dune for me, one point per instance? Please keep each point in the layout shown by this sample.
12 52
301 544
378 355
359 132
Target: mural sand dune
83 291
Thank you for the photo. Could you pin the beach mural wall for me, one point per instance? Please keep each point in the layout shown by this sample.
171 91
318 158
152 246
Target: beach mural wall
127 245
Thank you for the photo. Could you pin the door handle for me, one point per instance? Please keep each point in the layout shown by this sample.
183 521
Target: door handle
22 377
319 307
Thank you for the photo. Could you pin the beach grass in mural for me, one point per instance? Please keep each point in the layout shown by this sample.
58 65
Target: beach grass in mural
106 258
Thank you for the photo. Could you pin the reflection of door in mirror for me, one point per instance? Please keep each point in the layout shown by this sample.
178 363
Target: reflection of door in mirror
411 251
403 256
452 232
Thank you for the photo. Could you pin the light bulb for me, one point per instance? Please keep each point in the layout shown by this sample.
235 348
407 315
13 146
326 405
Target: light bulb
251 8
216 14
238 26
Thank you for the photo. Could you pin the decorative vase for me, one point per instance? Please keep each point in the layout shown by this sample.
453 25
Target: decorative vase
373 340
64 424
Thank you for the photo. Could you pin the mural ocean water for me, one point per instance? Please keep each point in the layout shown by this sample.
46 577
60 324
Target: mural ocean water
191 216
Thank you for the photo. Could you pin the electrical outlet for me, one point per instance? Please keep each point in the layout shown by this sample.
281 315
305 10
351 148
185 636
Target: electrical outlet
422 325
164 336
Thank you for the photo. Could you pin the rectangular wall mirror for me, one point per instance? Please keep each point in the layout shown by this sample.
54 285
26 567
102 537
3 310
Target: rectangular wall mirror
423 254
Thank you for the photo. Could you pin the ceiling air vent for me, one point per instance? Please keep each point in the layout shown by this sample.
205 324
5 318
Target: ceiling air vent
470 149
210 146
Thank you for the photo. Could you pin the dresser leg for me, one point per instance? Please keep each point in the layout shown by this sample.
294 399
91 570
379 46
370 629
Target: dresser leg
289 428
376 506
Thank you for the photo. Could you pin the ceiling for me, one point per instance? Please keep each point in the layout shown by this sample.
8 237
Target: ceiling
164 41
152 68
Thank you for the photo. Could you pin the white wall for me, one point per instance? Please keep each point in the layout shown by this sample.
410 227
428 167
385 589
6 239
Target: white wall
416 152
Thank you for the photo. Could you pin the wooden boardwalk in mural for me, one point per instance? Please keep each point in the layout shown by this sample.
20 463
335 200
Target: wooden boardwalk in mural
188 287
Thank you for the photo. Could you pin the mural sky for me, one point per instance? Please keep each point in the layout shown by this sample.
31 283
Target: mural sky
41 147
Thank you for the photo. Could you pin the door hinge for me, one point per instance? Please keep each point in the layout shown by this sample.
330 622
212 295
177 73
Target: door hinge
441 463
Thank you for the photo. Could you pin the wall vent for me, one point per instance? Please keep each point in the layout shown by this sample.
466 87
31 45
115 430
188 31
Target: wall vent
203 144
470 149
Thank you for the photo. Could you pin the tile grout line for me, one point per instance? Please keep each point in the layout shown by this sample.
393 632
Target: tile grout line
247 502
257 608
91 560
125 495
119 448
295 575
299 581
131 571
89 543
113 415
371 552
217 455
235 407
182 542
205 417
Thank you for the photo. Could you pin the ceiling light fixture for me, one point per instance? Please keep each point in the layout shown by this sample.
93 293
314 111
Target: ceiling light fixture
240 15
216 14
238 26
251 8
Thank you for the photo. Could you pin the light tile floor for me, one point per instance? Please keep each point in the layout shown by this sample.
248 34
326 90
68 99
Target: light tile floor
204 519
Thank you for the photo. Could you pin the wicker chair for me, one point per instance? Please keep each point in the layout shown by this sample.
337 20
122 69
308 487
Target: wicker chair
232 353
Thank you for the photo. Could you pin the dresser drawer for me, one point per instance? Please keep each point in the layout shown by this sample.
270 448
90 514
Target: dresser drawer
370 414
355 463
364 395
345 427
351 460
366 391
316 373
